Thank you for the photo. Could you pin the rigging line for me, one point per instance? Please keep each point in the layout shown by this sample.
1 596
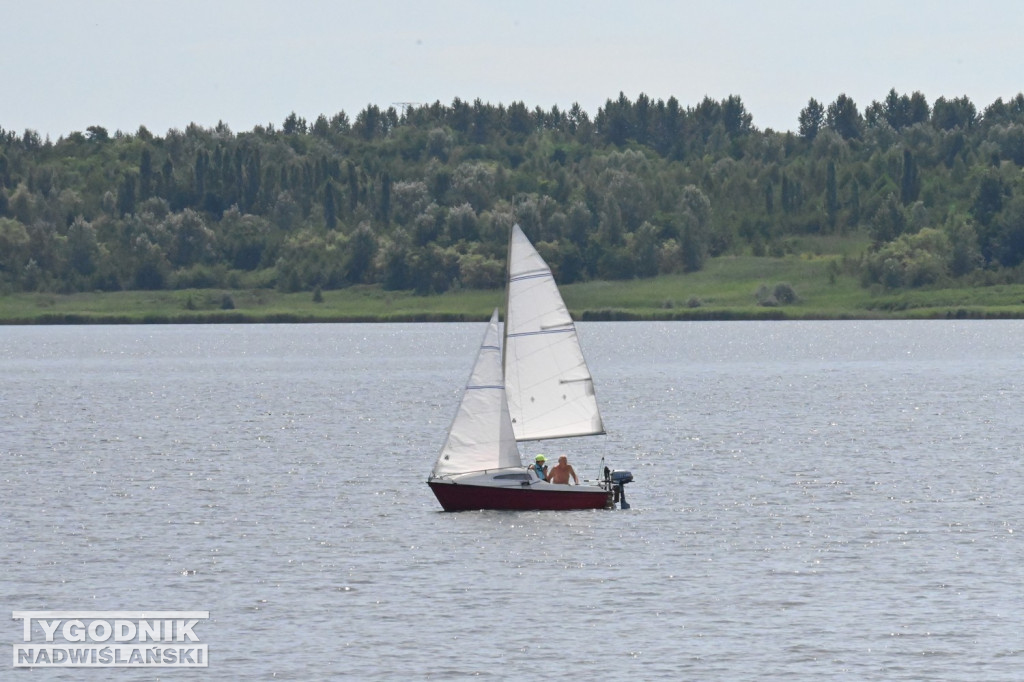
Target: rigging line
528 275
565 330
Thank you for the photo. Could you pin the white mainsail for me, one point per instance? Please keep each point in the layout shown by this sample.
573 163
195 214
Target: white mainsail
481 437
548 386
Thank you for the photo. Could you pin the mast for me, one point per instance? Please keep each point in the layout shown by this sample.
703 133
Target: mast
508 290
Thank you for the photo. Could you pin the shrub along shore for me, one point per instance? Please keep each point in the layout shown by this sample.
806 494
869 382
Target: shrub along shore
736 288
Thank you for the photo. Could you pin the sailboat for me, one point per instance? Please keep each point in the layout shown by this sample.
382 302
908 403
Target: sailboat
534 386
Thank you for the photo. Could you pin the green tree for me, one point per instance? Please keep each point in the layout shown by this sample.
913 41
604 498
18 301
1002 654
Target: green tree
321 128
146 175
370 123
441 184
843 117
83 250
855 203
831 195
615 121
362 251
888 222
432 270
695 214
988 200
900 111
912 260
126 195
396 273
151 267
462 224
252 180
14 249
202 163
1008 242
330 210
353 186
243 239
958 112
910 181
340 124
965 256
519 121
735 116
97 134
643 244
294 125
811 120
192 241
22 205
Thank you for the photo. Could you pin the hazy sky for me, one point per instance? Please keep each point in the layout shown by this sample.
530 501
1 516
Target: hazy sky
120 64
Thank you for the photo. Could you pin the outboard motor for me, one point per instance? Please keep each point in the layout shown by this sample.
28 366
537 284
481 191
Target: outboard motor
616 481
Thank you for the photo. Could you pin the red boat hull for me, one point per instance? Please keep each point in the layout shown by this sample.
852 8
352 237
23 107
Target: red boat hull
459 497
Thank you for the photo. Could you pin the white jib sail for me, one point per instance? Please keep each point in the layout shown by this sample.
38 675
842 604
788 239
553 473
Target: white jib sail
548 385
480 436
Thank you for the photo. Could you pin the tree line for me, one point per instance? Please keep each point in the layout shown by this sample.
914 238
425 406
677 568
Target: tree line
423 197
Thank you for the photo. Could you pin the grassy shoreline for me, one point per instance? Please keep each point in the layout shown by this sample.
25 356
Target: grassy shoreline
724 290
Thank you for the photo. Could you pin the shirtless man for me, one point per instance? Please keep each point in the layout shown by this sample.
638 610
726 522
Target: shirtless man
560 472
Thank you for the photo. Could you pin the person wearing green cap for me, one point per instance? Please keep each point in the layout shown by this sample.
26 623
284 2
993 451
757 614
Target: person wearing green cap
540 468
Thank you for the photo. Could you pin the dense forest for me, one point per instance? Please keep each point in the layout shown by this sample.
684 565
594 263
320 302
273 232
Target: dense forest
421 197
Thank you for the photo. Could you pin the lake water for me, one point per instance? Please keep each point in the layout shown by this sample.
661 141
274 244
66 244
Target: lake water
820 500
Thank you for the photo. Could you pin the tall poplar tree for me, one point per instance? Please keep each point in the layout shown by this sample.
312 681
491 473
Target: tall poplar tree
831 196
